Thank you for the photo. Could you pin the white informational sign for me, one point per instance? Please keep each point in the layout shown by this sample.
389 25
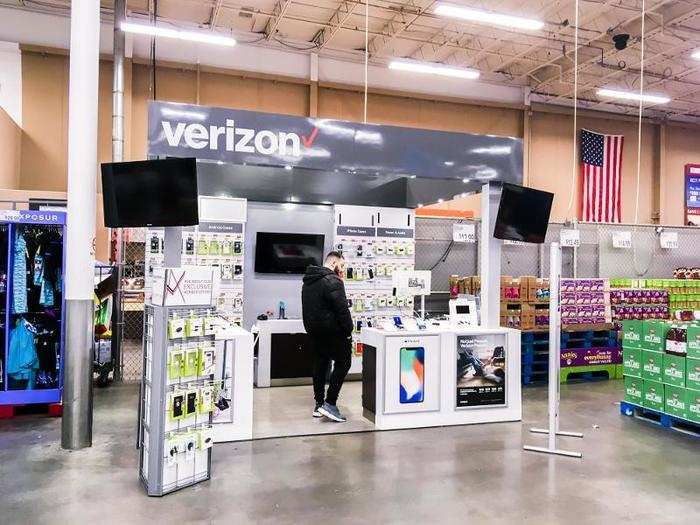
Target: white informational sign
185 286
416 282
462 232
669 240
570 238
622 240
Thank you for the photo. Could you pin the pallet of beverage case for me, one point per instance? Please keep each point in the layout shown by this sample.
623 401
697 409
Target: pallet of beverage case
661 419
589 373
46 409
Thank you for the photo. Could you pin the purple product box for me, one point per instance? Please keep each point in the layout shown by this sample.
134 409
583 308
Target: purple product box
567 298
591 356
567 285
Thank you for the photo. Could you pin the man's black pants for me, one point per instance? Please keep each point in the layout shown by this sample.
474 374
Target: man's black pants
325 350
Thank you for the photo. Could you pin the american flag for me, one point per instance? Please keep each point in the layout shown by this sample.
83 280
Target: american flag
601 177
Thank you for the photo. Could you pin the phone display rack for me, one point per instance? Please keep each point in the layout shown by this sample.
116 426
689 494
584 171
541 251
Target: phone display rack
372 254
177 399
219 244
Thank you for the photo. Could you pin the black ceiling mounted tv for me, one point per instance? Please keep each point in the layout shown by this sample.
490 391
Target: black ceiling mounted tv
159 192
523 214
288 253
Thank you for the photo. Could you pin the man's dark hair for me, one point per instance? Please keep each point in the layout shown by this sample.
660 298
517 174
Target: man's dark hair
334 255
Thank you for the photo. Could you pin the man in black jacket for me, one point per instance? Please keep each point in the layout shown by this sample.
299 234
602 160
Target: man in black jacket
329 325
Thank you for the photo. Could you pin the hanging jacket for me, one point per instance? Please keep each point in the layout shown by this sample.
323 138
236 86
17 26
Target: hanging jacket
22 359
19 275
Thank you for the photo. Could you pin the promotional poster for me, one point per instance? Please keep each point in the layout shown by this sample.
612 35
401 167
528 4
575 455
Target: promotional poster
481 370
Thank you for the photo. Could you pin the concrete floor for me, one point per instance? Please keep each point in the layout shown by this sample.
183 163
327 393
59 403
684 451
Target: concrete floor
632 472
285 411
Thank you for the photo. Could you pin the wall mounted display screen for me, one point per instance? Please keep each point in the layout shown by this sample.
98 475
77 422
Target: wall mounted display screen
150 193
412 363
287 253
523 214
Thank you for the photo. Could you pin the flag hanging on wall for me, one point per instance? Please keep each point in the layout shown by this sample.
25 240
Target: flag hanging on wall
601 177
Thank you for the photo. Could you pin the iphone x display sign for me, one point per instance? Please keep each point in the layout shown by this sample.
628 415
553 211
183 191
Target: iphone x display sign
412 375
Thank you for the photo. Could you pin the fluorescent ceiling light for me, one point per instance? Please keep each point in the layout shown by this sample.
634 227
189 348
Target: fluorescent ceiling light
433 69
487 17
696 55
167 32
629 95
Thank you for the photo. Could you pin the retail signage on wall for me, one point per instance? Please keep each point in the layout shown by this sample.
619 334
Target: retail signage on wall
220 227
463 232
401 233
412 282
669 240
692 194
570 238
185 286
255 138
357 231
622 240
33 216
481 370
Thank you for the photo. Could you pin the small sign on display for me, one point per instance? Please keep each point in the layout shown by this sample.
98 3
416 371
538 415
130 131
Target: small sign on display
669 240
570 238
622 240
462 232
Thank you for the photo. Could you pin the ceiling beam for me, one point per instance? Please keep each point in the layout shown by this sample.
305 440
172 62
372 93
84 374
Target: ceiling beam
278 13
335 23
215 11
397 25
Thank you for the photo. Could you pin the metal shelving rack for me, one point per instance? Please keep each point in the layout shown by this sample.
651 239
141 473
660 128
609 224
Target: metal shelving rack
171 458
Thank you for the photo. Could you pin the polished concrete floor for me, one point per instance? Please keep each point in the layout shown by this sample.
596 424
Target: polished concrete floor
632 472
284 411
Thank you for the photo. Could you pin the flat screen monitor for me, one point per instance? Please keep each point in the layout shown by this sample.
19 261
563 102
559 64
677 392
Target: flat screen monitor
287 253
150 193
523 214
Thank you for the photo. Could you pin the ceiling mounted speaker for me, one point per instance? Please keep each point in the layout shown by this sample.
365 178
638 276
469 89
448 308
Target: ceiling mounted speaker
620 41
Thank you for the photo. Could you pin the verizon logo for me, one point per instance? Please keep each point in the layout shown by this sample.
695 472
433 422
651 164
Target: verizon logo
232 138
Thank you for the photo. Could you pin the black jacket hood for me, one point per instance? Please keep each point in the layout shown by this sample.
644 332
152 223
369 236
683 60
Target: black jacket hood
314 273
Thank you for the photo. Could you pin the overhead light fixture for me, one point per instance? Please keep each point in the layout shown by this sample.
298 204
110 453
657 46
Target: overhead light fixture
167 32
631 95
696 55
440 201
288 167
487 17
449 163
433 69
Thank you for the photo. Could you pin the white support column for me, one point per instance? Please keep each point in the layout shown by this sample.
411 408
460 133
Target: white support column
82 171
490 258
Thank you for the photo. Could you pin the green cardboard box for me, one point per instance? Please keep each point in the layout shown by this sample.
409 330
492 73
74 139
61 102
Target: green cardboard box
632 334
654 335
692 373
673 370
652 364
633 390
694 342
632 361
675 401
692 404
653 392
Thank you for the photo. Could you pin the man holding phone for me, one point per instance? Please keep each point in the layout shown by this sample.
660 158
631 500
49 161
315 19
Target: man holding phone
328 322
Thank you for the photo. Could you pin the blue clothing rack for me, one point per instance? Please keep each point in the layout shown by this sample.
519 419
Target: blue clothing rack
11 221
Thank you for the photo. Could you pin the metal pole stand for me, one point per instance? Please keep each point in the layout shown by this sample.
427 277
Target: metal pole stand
554 364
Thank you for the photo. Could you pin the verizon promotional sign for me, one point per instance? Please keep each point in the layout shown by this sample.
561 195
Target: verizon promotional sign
186 286
254 138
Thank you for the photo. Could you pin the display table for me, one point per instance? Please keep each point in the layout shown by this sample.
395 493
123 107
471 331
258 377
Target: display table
233 417
440 376
284 353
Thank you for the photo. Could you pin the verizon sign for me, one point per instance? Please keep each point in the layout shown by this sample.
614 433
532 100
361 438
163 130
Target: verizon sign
266 139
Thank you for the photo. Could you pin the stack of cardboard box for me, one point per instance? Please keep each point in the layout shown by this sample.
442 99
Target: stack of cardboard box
661 363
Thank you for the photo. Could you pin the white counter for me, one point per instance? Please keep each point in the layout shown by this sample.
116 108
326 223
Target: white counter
234 368
487 392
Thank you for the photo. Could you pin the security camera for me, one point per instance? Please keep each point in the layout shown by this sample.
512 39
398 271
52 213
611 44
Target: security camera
620 41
